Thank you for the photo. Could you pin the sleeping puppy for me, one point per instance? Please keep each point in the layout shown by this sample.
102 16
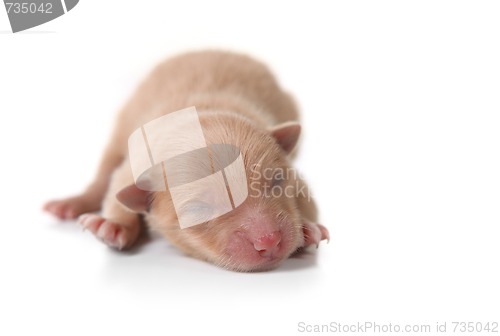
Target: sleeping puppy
240 103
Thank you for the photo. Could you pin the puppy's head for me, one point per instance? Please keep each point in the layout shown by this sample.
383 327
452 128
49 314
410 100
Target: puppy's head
259 232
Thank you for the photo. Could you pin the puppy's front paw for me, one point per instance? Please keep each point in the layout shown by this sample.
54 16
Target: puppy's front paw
314 233
111 233
71 207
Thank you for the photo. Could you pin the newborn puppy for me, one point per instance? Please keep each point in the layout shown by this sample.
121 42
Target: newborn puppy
239 103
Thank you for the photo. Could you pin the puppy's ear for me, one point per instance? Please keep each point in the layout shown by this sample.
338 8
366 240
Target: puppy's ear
286 135
134 198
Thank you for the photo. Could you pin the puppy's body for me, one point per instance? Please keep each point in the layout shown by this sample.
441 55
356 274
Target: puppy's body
239 103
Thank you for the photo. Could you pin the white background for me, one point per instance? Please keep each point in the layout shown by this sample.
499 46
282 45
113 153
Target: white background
401 145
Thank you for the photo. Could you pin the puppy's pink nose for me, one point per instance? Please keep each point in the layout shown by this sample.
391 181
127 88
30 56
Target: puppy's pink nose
268 244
